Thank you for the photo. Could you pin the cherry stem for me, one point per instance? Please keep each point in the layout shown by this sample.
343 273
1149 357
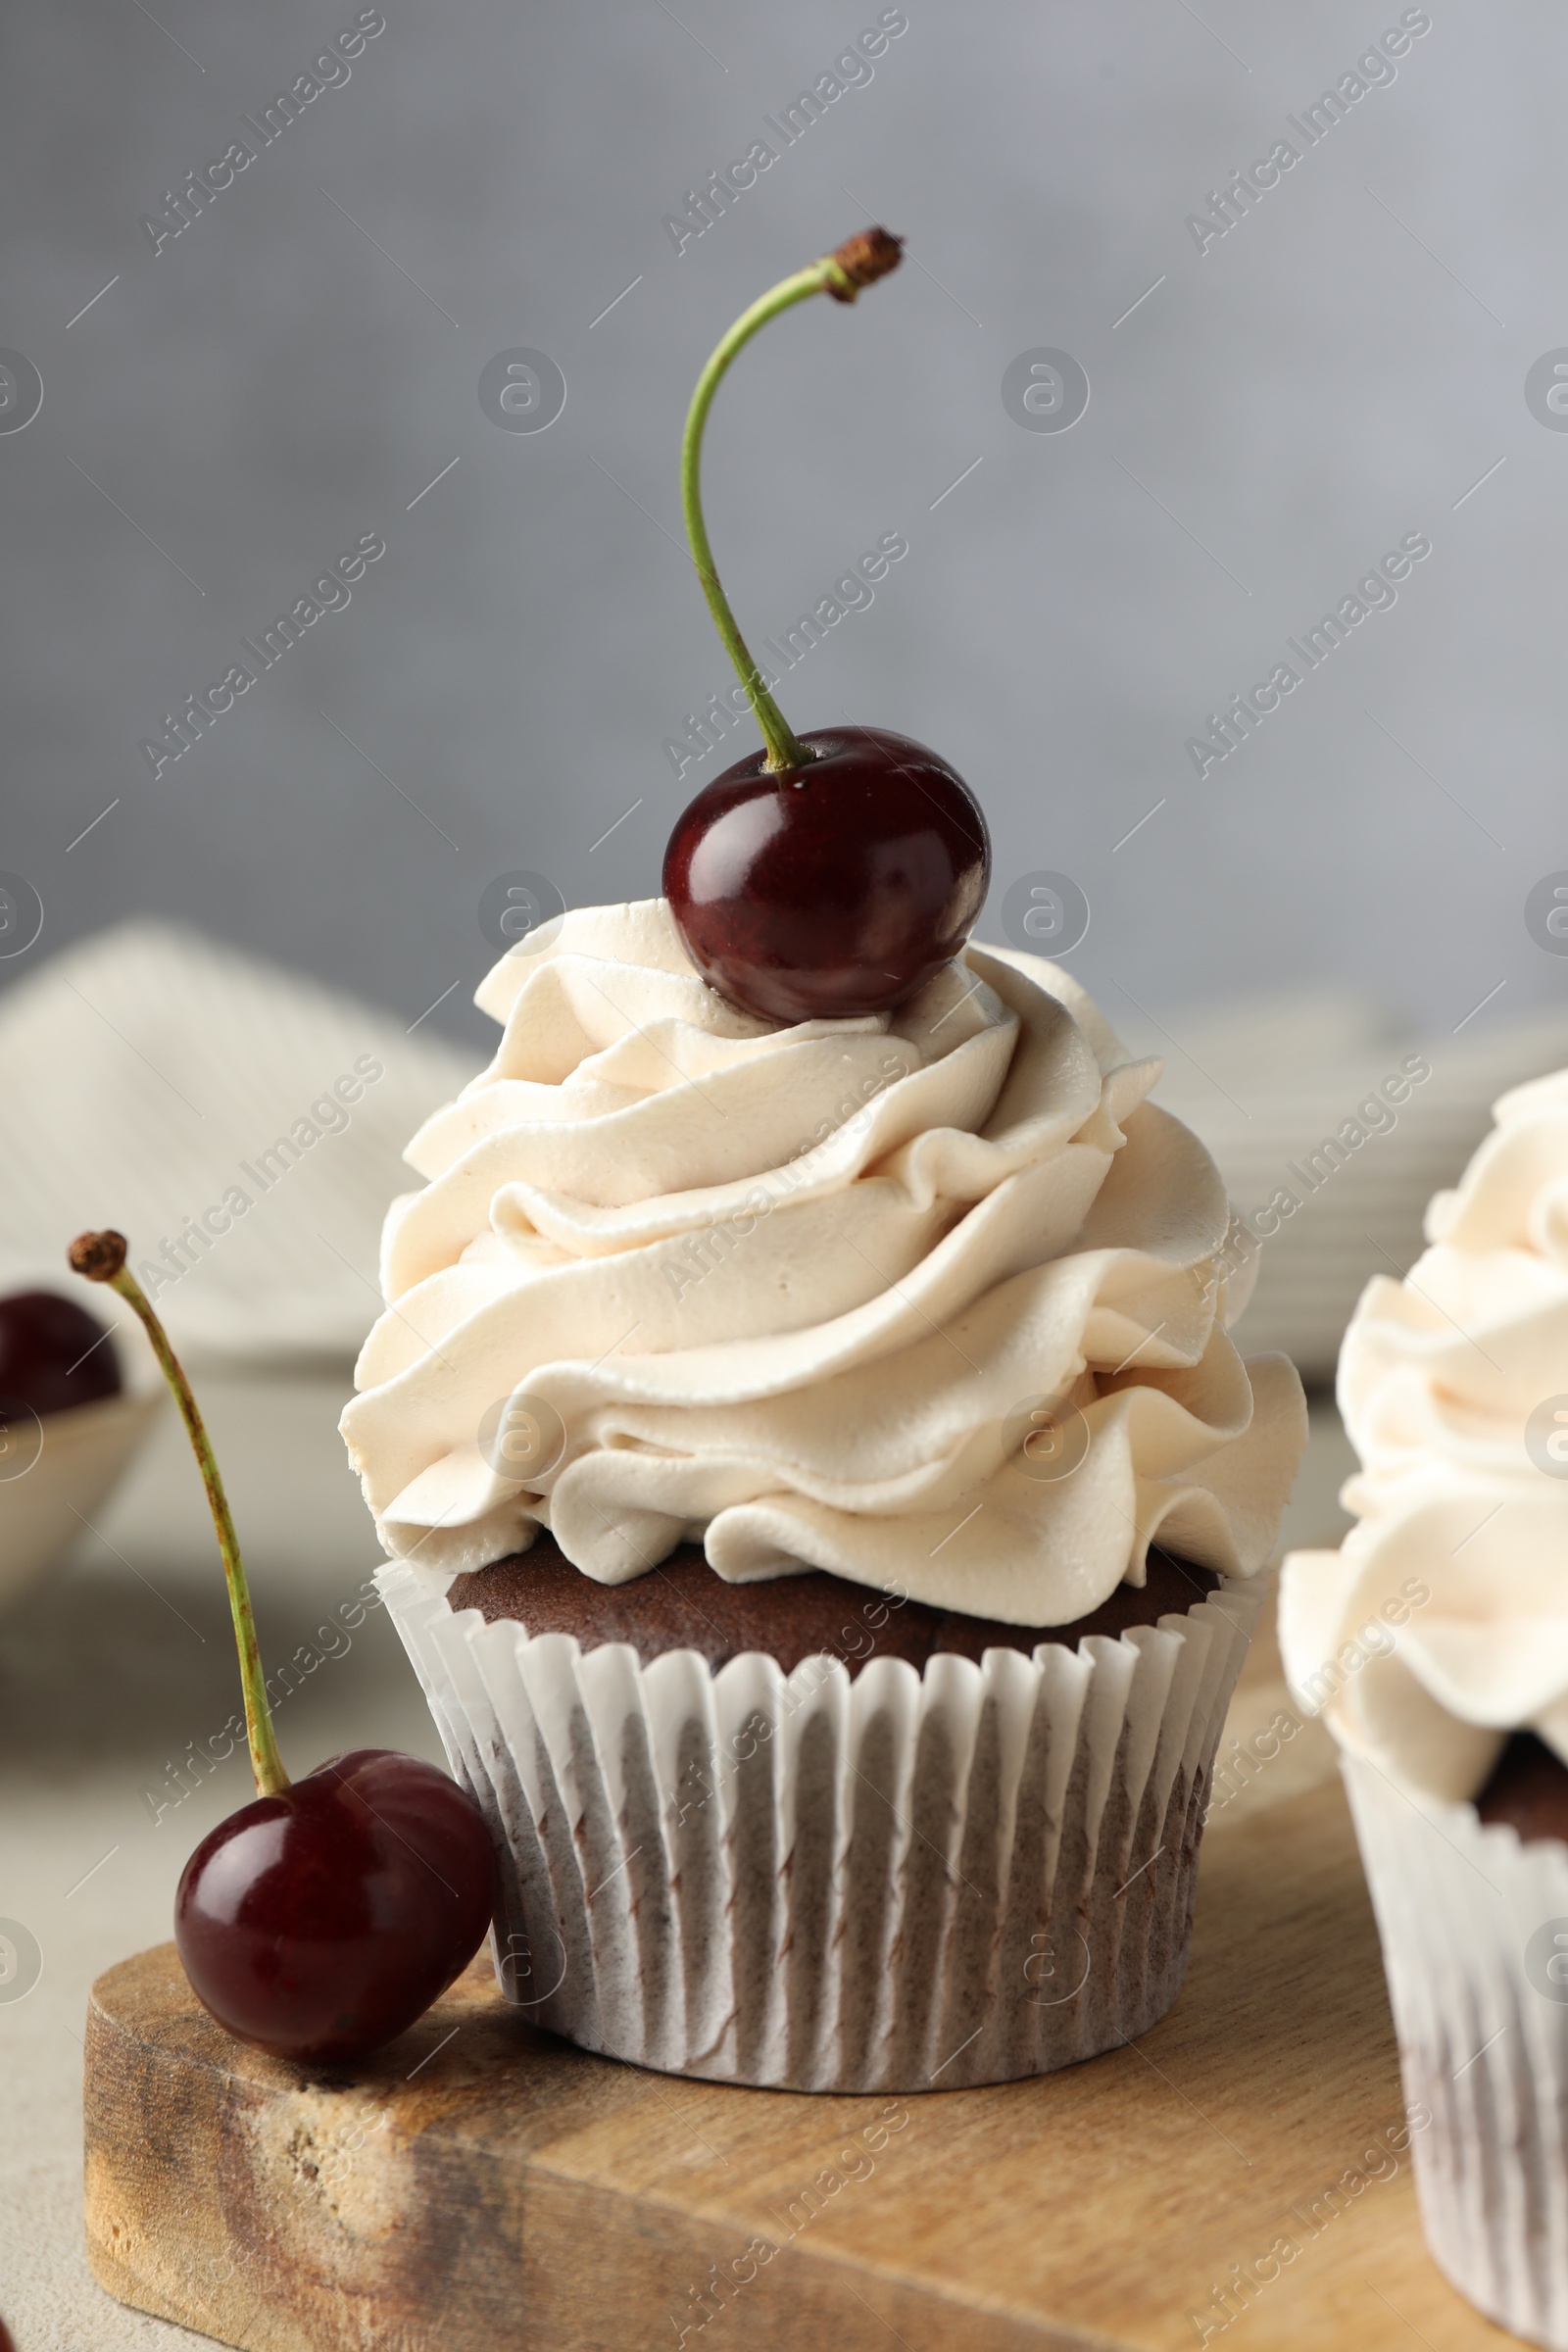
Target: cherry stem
95 1256
857 263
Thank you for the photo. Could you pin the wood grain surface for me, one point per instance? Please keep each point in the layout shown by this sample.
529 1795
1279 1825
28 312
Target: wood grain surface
484 2185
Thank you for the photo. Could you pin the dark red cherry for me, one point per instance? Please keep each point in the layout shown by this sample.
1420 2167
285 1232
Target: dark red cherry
833 889
322 1921
50 1356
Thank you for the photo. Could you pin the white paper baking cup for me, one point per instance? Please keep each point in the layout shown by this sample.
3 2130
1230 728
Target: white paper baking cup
1475 1943
802 1882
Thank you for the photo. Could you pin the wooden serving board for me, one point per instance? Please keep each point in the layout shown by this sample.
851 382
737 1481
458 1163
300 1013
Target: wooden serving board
483 2185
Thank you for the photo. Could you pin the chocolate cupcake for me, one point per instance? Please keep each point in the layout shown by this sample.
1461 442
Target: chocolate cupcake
1527 1789
683 1605
823 1499
1435 1643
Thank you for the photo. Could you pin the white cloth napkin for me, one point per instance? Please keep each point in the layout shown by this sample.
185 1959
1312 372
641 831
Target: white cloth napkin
150 1077
1269 1088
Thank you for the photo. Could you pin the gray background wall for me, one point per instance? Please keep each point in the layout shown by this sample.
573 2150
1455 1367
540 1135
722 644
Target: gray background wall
1335 372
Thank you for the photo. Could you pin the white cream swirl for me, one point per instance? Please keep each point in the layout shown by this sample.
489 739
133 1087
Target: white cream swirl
781 1289
1441 1623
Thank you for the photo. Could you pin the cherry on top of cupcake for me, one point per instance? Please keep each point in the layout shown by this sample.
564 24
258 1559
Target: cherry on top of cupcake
830 874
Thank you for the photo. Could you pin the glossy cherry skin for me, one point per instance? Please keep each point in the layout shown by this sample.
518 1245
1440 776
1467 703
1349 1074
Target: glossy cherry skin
320 1923
833 889
45 1361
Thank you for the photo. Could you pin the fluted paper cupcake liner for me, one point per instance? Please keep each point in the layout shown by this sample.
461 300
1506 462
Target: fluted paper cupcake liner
1475 1943
806 1882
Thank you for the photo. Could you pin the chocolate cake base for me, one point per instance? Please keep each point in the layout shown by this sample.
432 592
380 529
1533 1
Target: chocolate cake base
1528 1788
683 1604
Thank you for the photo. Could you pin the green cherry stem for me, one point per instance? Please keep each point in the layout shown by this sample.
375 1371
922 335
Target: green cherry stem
101 1257
862 259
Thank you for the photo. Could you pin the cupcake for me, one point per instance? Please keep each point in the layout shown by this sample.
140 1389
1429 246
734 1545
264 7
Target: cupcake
1435 1644
822 1491
824 1509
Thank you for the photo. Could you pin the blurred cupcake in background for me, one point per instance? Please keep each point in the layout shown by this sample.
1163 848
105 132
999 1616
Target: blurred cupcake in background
1435 1644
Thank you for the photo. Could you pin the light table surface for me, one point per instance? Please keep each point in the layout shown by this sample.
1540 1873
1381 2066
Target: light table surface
123 1657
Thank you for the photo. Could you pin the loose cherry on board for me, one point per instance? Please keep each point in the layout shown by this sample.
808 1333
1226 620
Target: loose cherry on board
831 873
322 1920
53 1354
